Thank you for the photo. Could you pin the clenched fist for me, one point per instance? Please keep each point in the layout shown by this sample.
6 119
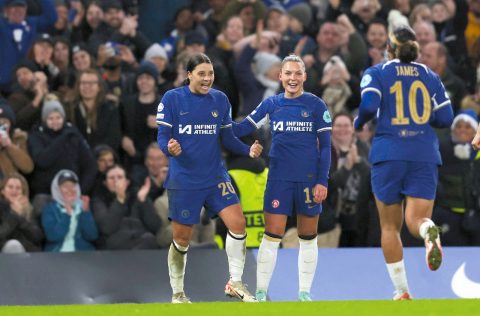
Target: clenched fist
256 149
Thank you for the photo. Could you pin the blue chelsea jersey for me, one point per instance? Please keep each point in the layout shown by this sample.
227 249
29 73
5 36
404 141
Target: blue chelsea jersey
294 124
410 95
196 120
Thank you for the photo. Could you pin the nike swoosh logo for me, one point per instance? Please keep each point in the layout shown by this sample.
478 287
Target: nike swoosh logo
462 286
183 113
311 206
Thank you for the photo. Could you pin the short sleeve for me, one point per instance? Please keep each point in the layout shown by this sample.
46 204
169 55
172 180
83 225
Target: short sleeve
164 110
370 82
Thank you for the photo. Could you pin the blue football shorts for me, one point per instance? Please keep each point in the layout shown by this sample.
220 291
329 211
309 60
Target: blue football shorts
185 205
286 198
393 180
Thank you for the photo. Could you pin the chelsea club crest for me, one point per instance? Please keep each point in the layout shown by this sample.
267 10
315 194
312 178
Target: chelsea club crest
215 113
305 113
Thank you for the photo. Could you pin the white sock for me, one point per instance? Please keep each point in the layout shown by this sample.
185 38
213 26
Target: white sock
267 258
307 263
235 247
398 276
425 226
176 266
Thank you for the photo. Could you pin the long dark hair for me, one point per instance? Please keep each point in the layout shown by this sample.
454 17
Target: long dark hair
403 44
193 62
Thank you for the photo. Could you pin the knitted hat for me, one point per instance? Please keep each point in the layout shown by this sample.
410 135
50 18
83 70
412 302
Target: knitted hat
264 61
156 51
301 12
52 106
147 67
7 112
468 116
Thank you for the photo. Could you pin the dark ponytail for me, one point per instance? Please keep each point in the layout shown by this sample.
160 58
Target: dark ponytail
193 62
407 52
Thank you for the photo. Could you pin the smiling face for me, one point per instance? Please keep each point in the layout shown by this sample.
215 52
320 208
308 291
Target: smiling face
293 76
68 189
463 132
201 78
12 190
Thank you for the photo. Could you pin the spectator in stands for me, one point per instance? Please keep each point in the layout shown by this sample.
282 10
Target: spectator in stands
420 12
331 38
97 118
61 54
157 55
249 11
363 12
425 32
349 180
472 32
57 145
19 231
457 207
82 58
334 87
42 55
126 219
18 33
14 156
212 19
106 157
138 115
28 95
119 28
86 20
183 23
67 221
224 61
155 167
117 64
62 27
261 81
377 42
434 55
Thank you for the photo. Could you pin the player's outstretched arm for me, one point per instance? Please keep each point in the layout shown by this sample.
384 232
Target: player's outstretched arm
232 143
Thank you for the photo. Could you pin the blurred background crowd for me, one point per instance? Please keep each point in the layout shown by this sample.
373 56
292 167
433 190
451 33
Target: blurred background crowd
80 82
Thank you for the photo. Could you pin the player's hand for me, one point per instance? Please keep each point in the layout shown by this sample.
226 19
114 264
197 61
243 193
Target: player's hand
174 147
319 193
256 149
476 142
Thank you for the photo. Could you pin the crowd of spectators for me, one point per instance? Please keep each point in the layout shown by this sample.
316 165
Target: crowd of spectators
80 81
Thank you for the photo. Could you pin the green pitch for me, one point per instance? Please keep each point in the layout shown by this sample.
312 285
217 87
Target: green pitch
357 308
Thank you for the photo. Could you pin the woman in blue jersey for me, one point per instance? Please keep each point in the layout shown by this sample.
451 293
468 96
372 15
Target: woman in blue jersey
191 119
298 172
410 99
